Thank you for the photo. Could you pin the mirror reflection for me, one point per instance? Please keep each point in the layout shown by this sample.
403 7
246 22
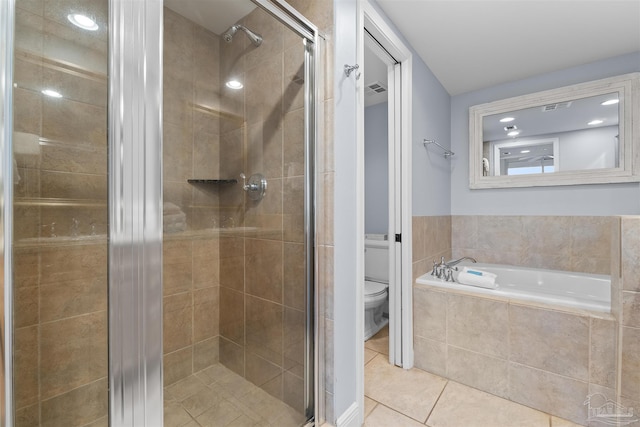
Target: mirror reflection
573 135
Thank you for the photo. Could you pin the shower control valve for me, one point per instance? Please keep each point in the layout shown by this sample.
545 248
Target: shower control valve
255 186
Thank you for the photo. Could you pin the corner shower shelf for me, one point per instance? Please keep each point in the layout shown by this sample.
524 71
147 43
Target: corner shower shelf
212 181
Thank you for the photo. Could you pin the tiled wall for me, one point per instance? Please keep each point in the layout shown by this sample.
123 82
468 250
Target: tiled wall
570 243
60 190
262 293
630 312
431 241
191 143
544 358
522 351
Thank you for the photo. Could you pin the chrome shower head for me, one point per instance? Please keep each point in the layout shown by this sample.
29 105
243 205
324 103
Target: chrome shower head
255 38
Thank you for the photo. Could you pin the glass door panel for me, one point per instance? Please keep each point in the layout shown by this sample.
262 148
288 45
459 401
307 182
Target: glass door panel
234 254
60 213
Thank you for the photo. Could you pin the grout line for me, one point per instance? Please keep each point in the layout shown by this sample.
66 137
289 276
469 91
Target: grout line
436 402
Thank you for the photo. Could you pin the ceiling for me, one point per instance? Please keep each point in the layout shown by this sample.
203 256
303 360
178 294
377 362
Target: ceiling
475 44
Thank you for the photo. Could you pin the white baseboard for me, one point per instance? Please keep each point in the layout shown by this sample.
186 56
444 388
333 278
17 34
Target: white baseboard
349 418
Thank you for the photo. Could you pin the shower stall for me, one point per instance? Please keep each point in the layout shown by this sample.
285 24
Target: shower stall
158 213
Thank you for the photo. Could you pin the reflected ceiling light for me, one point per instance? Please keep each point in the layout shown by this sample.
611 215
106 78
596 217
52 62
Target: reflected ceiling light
52 93
514 133
234 84
525 151
82 21
510 128
595 122
507 119
610 102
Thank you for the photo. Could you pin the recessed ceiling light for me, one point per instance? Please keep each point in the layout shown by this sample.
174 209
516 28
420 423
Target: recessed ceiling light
510 128
595 122
82 21
610 101
52 93
514 133
506 153
525 151
234 84
507 119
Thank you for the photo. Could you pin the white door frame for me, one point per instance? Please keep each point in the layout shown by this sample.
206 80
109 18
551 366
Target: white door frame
400 217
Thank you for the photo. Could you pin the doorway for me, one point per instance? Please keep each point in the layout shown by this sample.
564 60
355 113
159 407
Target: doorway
383 44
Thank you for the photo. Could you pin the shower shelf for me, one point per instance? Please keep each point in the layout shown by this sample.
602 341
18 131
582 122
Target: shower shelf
212 181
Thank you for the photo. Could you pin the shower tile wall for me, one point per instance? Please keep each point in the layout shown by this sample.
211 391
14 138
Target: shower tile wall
262 292
191 150
60 217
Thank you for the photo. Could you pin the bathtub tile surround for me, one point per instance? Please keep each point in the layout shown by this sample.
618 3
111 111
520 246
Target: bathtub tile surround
630 305
570 243
516 351
431 241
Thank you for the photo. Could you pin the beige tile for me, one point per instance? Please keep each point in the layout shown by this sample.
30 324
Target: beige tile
222 413
631 363
89 124
264 277
177 365
205 313
294 340
548 392
418 237
294 275
264 322
379 342
478 370
430 314
293 209
78 407
29 416
602 363
78 359
177 327
26 306
263 86
591 236
501 234
464 406
62 264
232 356
559 422
369 355
206 353
27 364
550 340
189 386
630 253
631 309
381 416
199 402
411 392
478 324
260 371
545 234
175 415
430 356
232 315
72 298
464 231
232 263
293 95
369 405
293 391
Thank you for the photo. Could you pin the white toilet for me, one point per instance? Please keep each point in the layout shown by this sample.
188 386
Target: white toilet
376 284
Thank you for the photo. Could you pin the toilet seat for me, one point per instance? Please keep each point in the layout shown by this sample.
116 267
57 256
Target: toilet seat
373 289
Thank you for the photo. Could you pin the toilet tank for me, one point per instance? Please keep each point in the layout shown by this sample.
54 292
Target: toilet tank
376 259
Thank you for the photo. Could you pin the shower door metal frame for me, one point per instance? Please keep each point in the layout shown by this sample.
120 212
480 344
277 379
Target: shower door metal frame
135 213
7 25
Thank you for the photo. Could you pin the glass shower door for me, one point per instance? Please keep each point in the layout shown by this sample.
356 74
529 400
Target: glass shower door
60 213
236 230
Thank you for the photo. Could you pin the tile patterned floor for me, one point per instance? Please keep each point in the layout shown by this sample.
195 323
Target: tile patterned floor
216 396
395 397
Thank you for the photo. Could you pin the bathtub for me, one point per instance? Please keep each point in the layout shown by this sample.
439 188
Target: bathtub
563 288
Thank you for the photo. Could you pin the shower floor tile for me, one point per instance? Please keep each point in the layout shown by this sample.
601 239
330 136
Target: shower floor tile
216 396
